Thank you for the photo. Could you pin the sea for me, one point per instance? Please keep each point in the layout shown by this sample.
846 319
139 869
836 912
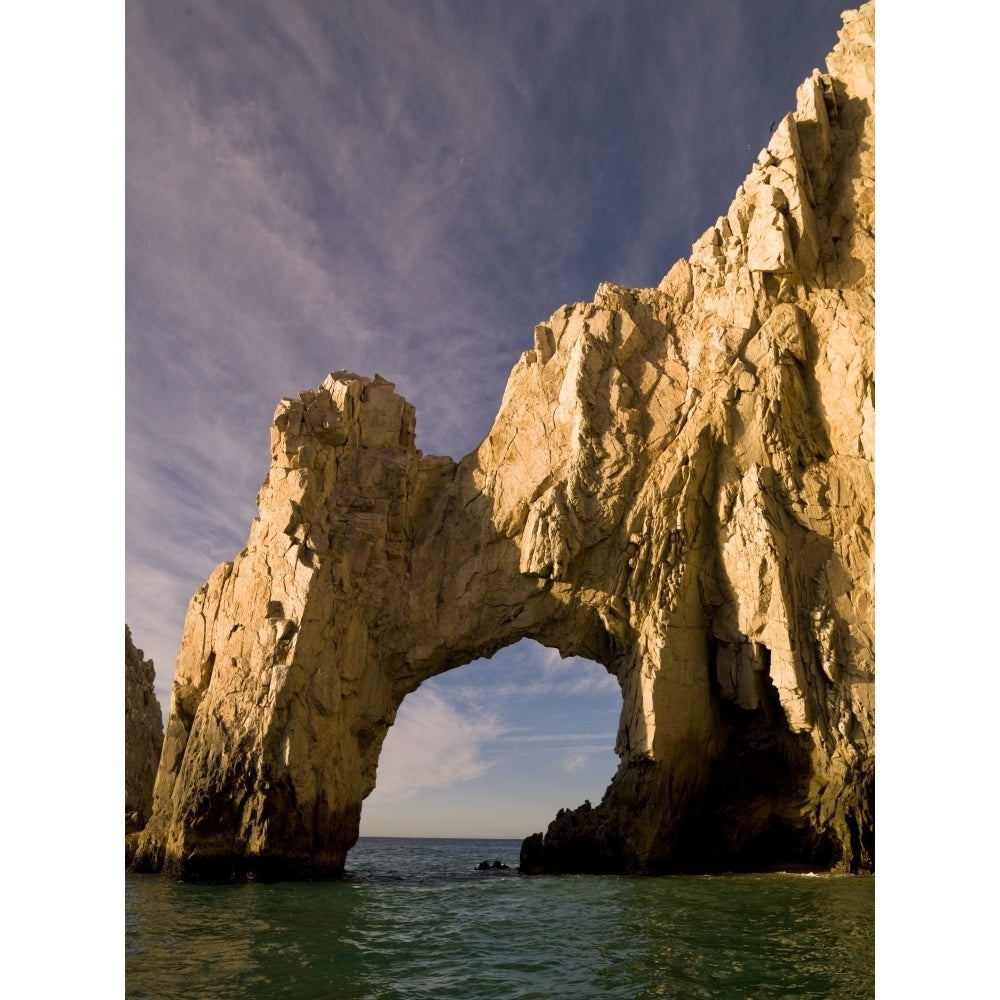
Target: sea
416 919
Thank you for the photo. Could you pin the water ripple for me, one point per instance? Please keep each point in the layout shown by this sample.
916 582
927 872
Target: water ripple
438 929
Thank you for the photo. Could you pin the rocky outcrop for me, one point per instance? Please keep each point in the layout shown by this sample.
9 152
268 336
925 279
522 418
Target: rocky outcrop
678 485
143 736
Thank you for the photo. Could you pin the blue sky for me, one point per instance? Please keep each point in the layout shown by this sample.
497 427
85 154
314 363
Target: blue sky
408 188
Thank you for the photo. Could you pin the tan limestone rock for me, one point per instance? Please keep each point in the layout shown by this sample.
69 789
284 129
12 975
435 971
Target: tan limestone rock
678 485
143 736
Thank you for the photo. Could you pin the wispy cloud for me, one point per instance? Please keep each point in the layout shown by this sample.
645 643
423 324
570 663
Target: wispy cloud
571 752
432 745
576 762
402 188
530 672
561 738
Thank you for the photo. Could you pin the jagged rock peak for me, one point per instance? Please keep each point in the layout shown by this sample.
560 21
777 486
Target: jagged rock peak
678 485
143 736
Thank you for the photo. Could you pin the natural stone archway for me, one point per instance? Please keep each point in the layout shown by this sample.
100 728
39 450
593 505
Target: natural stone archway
493 748
678 486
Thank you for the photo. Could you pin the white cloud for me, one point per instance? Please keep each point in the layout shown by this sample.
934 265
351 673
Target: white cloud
432 745
556 737
573 752
402 189
539 672
576 761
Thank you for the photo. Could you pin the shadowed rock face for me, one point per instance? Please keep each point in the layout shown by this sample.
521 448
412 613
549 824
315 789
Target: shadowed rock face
143 736
678 485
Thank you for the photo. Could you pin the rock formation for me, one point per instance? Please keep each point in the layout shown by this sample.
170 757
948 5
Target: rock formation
143 736
678 486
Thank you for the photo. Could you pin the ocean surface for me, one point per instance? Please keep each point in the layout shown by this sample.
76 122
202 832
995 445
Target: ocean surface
413 919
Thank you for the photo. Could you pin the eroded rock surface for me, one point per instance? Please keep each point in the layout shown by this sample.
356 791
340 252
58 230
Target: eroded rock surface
143 736
678 485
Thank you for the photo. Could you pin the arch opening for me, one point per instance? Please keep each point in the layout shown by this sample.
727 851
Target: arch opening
493 749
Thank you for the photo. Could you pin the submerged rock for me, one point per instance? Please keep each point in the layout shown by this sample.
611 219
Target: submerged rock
678 485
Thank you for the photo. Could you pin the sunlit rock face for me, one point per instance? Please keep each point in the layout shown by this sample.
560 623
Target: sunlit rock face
678 485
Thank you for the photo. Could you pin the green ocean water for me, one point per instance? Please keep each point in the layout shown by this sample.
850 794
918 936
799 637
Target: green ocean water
414 919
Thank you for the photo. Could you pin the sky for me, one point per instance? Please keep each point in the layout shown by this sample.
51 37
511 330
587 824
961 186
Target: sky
407 188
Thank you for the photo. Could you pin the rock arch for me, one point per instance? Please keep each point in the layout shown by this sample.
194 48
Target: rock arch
678 485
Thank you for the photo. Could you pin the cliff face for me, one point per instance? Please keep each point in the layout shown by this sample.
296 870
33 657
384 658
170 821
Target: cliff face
678 485
143 736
